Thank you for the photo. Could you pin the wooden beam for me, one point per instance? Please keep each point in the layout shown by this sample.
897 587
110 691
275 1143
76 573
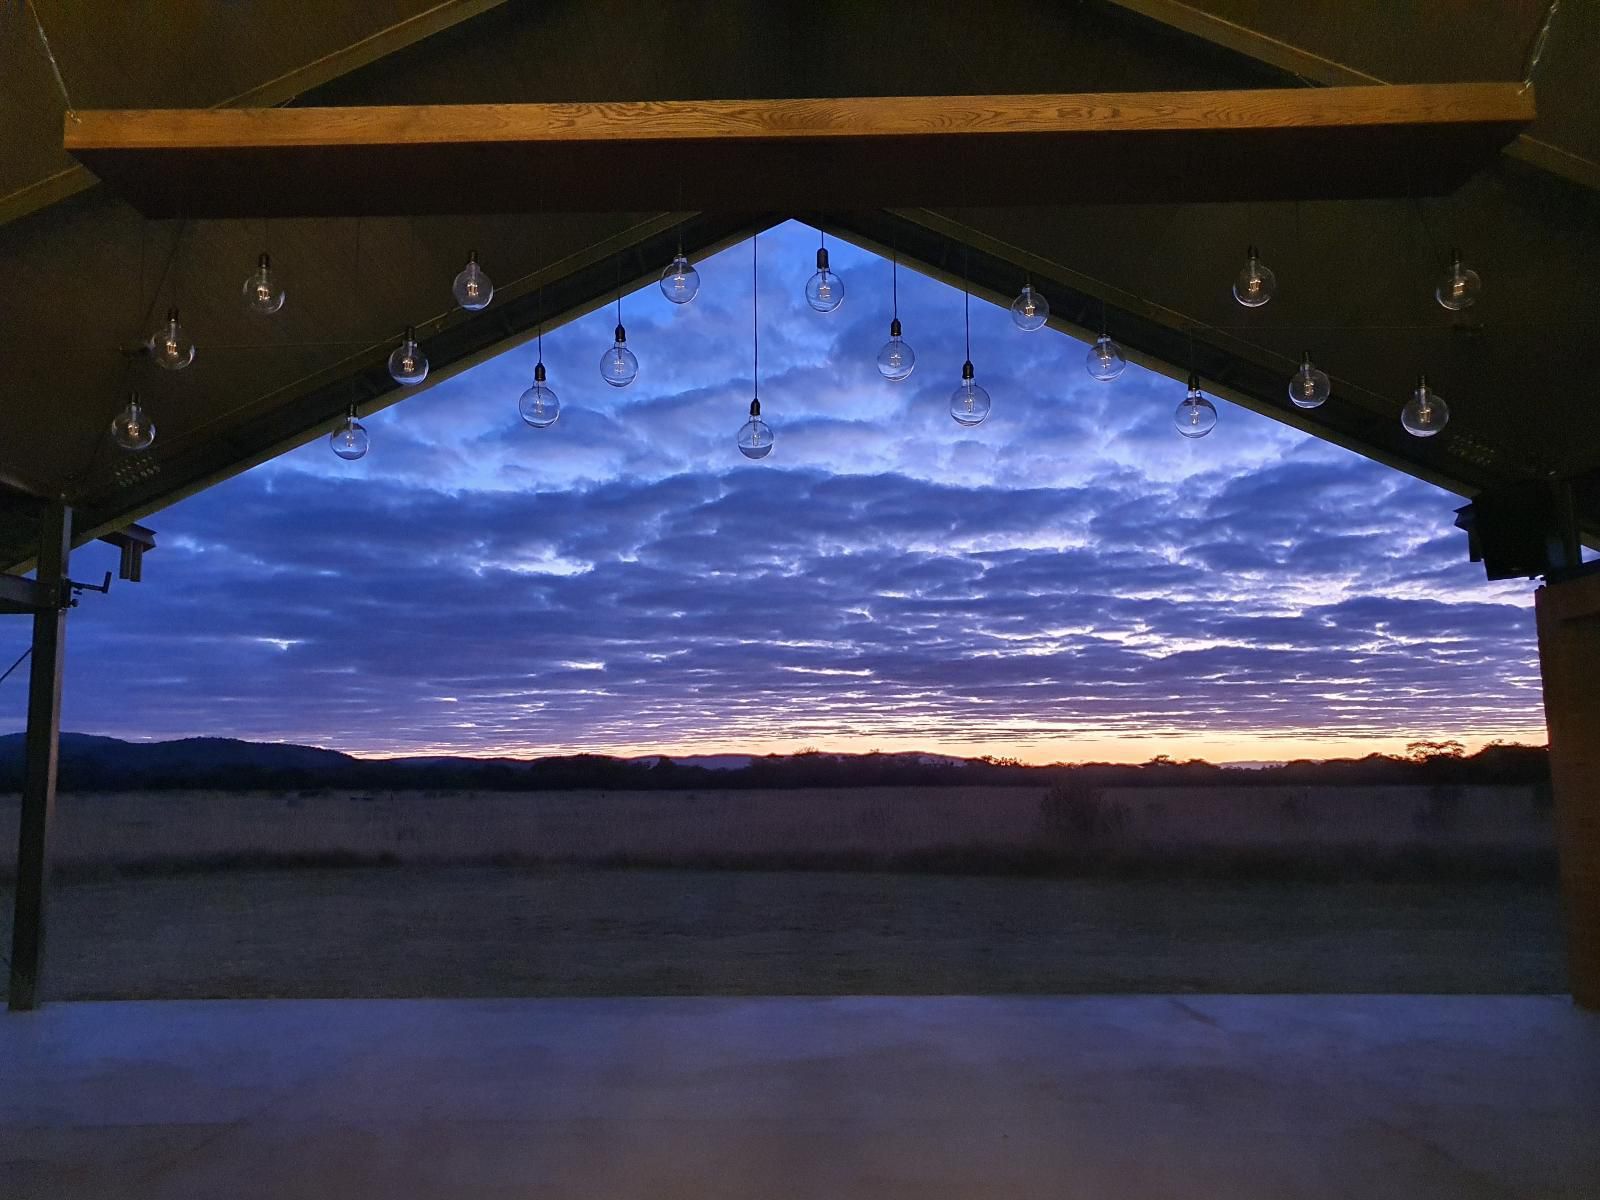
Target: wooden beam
739 154
1569 657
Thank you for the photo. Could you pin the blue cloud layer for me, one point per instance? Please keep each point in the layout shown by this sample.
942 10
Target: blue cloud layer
1069 572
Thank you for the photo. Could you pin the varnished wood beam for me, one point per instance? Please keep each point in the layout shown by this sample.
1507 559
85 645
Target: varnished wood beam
736 154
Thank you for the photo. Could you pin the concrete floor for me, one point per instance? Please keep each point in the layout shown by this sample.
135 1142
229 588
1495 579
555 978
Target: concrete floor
756 1099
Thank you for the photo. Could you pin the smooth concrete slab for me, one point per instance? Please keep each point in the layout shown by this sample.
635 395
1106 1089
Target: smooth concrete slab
756 1099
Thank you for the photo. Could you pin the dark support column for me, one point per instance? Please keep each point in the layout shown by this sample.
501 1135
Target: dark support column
1569 659
43 745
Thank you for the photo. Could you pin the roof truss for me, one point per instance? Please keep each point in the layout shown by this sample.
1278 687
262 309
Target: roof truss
1139 147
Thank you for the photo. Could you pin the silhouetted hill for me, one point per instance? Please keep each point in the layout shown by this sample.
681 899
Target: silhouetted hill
200 755
90 763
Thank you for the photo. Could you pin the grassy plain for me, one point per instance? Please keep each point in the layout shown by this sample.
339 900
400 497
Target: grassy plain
509 931
924 828
963 890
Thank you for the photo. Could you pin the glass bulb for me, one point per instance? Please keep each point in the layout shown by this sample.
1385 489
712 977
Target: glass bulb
132 428
408 364
1459 289
169 345
824 290
896 360
539 406
1255 283
1030 310
755 435
473 289
349 440
618 365
969 403
1426 412
680 282
1309 387
262 292
1105 359
1196 416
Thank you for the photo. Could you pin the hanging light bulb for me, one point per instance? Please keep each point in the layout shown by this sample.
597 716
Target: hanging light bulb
1426 413
169 345
1255 283
1105 360
619 366
896 360
1309 387
408 364
1030 310
755 435
1459 289
262 292
349 438
680 282
824 290
969 403
132 428
472 288
1196 416
539 406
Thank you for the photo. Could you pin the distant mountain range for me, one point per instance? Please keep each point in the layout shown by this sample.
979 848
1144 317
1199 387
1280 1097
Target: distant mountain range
90 764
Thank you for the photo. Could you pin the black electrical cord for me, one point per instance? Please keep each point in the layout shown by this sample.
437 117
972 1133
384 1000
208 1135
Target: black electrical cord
16 664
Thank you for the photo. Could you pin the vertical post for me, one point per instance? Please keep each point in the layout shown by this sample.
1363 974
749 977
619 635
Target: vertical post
43 746
1569 661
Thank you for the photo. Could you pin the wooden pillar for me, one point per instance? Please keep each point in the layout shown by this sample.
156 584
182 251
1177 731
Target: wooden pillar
1569 660
43 746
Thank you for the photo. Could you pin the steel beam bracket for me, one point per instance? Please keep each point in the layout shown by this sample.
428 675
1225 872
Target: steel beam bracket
19 594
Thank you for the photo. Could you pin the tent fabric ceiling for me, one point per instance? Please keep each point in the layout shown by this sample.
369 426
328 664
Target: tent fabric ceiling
85 276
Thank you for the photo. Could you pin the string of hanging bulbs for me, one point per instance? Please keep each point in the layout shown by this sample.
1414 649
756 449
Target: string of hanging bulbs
171 348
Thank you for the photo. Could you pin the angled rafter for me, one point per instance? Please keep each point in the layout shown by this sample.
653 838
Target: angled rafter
742 154
1241 37
395 35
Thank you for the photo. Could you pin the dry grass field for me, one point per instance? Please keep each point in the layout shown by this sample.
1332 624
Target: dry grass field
977 890
896 827
521 931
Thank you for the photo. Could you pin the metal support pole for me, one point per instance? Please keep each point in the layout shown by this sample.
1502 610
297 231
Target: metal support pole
43 746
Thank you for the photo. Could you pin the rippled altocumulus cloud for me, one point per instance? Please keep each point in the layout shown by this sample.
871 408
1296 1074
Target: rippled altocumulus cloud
1070 572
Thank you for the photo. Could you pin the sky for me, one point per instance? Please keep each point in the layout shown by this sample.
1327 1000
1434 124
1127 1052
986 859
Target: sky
1070 581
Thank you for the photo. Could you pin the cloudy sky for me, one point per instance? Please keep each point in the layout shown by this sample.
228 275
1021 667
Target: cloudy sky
1071 580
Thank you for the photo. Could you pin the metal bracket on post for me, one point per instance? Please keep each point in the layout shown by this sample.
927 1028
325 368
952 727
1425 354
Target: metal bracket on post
77 589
